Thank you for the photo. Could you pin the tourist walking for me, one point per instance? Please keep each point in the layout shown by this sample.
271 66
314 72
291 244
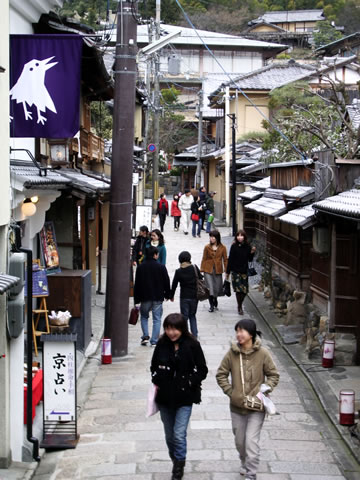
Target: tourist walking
138 250
157 240
202 195
213 265
162 210
241 253
152 286
249 365
176 212
185 206
210 209
178 367
196 209
186 276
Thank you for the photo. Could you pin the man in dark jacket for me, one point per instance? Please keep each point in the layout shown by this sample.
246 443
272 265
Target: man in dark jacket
210 209
138 251
152 286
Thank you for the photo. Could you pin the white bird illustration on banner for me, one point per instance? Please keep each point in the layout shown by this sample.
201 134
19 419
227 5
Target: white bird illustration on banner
30 88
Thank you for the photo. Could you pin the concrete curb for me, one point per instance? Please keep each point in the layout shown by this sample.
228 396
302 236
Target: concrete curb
327 405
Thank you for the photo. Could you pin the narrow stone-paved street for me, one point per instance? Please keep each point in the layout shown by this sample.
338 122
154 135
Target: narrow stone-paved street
117 441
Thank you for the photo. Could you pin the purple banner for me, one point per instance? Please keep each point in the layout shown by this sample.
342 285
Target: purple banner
45 80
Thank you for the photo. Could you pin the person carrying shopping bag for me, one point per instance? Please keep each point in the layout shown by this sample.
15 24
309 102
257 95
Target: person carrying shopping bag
178 367
213 265
249 365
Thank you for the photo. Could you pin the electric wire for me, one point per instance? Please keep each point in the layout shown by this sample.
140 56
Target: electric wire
232 81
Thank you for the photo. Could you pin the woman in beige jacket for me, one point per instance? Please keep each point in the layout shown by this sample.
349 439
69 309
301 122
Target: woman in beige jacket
213 265
258 368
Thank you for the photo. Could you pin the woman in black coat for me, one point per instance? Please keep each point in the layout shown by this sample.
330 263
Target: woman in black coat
241 253
178 367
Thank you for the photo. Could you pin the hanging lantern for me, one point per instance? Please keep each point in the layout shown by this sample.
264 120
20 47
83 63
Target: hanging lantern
106 351
347 407
28 208
328 354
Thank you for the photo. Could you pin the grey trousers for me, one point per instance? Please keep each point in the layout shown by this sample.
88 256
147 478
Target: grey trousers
246 429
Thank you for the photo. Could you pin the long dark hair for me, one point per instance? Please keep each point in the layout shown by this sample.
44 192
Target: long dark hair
176 320
160 235
250 326
243 233
216 235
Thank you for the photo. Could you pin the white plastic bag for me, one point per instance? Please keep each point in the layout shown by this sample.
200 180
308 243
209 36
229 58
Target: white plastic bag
152 406
269 405
156 222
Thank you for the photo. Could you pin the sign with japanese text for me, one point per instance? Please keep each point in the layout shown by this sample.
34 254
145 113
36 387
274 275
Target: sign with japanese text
143 216
59 381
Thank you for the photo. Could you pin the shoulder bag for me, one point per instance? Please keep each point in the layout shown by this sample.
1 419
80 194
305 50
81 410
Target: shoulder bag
202 291
251 270
250 402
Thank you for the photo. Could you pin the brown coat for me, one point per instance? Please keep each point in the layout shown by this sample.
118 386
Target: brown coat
211 258
257 364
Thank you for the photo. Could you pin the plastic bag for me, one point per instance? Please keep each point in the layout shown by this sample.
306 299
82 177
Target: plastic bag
152 407
269 405
156 222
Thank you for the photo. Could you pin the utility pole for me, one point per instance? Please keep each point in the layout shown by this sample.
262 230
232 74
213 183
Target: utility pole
155 172
199 146
233 174
148 88
227 155
118 267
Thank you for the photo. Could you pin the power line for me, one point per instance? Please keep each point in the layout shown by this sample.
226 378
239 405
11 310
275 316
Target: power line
275 127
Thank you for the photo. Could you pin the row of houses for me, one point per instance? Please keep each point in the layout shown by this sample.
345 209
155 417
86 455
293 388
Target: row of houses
71 176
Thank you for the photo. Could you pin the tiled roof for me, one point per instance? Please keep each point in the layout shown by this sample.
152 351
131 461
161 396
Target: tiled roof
191 37
267 206
28 177
7 282
346 204
354 112
272 76
252 168
288 16
302 217
250 195
262 184
295 163
299 193
86 183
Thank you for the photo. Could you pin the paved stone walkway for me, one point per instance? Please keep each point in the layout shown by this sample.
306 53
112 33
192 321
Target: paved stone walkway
117 441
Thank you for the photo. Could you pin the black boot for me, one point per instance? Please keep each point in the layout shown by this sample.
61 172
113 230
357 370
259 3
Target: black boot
211 301
215 303
240 298
178 470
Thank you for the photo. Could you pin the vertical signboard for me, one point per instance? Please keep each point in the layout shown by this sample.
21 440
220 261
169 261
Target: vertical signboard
59 381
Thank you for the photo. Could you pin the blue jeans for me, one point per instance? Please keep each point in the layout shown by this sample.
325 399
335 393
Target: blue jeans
188 307
157 310
175 421
194 223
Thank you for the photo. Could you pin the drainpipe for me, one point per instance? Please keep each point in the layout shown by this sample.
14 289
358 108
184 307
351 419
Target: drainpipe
29 344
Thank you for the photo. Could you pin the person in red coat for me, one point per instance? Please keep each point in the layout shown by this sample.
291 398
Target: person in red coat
176 212
162 210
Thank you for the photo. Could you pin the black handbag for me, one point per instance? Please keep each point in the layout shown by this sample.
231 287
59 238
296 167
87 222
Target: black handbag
227 288
251 270
202 291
